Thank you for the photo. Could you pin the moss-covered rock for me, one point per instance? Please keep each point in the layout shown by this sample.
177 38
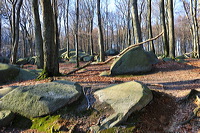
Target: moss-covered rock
6 117
42 99
133 61
112 52
4 60
22 61
125 99
8 72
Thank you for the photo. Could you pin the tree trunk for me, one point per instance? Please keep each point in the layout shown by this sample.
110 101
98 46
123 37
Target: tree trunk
91 37
100 34
0 36
38 35
67 16
128 25
136 22
150 34
49 40
76 32
171 30
56 36
15 30
164 28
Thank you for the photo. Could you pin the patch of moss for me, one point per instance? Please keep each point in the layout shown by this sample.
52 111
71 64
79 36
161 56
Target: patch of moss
119 130
42 75
47 123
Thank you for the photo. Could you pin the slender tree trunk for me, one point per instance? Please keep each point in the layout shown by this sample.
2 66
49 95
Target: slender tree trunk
67 16
76 32
0 37
49 39
164 28
136 22
91 37
38 35
128 25
171 30
56 37
100 39
150 34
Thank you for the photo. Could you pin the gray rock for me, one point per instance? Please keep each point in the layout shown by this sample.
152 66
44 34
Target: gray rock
88 58
105 74
42 99
111 52
27 74
6 90
22 61
133 61
124 98
8 72
4 60
6 117
152 57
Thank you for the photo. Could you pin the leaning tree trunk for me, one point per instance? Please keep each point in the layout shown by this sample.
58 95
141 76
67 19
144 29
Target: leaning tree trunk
171 30
136 22
38 35
49 40
100 39
15 28
164 28
0 36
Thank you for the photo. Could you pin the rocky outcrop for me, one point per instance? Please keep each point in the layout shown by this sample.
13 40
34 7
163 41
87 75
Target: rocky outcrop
6 90
8 72
125 99
133 61
112 52
42 99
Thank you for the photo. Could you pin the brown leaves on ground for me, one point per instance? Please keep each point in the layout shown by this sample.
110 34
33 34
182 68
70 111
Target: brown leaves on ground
164 112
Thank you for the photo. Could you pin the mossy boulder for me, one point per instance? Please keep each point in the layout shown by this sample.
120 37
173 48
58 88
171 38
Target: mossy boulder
42 99
8 72
27 74
125 99
152 57
6 116
22 61
132 62
88 58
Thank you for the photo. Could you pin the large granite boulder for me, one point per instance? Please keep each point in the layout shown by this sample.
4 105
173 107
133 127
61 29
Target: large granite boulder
27 74
132 62
152 57
8 72
124 98
6 117
42 99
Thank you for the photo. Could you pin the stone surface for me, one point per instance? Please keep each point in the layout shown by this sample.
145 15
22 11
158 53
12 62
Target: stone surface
4 60
132 62
8 72
27 74
6 90
6 117
42 99
111 52
88 58
22 61
152 57
124 98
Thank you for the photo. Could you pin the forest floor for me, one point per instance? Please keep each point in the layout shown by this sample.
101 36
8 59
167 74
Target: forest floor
173 81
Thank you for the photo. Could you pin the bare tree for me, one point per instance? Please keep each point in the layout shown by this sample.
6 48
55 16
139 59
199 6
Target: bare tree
150 34
164 28
76 32
50 57
38 34
171 29
136 22
100 39
16 6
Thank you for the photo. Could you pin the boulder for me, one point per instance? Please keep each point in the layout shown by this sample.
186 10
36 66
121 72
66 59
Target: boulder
42 99
125 99
8 72
112 52
152 57
133 61
6 117
22 61
27 74
4 60
88 58
6 90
